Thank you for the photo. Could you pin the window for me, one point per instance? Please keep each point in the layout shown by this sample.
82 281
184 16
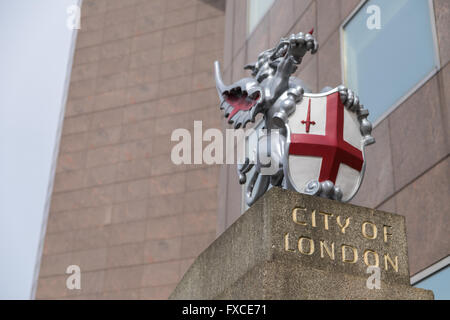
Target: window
389 50
256 9
436 278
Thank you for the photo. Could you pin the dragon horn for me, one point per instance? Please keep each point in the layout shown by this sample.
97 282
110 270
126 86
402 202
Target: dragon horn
219 83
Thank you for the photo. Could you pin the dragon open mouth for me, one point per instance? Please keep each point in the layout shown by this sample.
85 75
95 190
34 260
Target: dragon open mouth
239 100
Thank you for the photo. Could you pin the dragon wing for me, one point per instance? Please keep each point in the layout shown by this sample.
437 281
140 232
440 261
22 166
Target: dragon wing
241 101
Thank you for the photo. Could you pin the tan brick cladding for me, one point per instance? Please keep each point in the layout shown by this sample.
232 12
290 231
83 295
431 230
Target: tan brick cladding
120 209
408 167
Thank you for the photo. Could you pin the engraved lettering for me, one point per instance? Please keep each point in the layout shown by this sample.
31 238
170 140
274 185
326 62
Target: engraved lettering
385 233
351 254
302 249
325 218
373 232
295 216
286 243
375 256
344 255
394 265
329 251
343 226
313 219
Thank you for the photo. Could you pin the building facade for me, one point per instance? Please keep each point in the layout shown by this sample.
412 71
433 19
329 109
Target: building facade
120 209
408 166
132 220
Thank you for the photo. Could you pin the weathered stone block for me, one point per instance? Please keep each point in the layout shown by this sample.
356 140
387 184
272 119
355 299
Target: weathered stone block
294 246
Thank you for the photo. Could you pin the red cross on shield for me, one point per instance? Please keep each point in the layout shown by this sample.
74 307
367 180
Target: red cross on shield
324 143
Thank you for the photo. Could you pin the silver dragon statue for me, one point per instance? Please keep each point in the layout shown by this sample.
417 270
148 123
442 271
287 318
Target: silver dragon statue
323 156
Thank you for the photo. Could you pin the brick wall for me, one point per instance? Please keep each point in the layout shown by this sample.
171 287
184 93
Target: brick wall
120 209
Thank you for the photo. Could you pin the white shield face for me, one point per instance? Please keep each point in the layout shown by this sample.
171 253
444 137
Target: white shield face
324 143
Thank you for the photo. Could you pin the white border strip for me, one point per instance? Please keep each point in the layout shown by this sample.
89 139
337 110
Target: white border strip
37 266
430 270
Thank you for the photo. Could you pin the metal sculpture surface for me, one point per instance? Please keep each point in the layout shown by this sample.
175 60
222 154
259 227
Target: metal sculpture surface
316 140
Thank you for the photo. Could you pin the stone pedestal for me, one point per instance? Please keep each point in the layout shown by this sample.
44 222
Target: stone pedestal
294 246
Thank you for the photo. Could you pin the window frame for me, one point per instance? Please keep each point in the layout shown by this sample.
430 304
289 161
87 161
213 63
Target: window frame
408 94
247 22
431 270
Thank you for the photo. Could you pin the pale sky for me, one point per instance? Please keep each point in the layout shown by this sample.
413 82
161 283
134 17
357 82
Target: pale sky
34 59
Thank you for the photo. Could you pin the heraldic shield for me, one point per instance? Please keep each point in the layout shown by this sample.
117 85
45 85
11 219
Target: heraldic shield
317 140
324 143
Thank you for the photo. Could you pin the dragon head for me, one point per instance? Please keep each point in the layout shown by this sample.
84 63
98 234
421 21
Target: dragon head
294 47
